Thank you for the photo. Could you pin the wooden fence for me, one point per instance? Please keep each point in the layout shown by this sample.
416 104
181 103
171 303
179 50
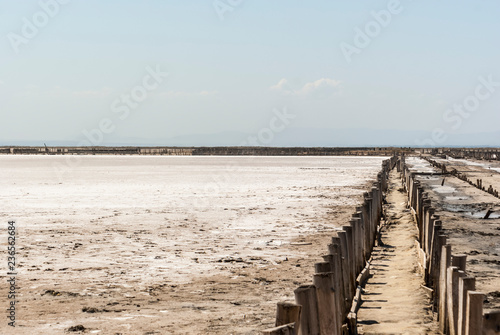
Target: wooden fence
458 304
329 304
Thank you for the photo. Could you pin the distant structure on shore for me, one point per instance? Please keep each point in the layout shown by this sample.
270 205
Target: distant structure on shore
478 153
204 151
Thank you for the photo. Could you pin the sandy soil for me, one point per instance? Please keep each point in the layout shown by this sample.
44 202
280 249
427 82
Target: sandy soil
462 208
169 245
393 300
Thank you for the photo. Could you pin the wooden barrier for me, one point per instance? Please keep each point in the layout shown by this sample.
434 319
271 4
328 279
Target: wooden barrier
465 284
330 305
305 296
474 313
287 313
459 307
326 297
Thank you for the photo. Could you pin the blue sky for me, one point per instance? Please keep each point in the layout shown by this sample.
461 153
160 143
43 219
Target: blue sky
228 71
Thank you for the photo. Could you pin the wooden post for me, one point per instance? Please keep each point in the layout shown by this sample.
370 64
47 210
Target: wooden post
459 261
346 265
430 239
334 260
452 298
352 323
366 219
375 212
443 273
474 313
429 222
352 253
287 313
435 253
437 267
306 297
342 274
325 293
465 284
357 242
322 267
366 227
421 222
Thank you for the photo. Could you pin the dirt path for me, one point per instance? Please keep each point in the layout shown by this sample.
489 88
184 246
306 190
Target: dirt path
393 301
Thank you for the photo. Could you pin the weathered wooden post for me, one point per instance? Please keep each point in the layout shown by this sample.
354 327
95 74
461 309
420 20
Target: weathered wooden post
474 313
444 264
346 264
460 261
352 252
334 260
465 284
437 269
325 293
287 313
435 249
356 241
366 227
322 267
342 274
452 297
306 297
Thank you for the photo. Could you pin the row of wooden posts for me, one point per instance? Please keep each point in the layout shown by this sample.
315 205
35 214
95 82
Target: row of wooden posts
479 153
462 176
330 303
458 305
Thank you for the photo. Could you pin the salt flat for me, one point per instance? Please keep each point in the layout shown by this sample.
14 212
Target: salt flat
172 244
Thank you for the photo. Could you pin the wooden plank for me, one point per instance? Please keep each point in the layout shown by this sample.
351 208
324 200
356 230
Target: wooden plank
452 298
443 273
322 267
474 313
352 323
346 268
465 284
337 284
287 313
306 297
325 294
460 261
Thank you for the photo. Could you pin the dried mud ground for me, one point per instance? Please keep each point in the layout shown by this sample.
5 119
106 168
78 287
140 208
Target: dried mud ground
168 245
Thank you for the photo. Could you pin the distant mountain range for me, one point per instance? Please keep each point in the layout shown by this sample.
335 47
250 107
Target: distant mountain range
297 137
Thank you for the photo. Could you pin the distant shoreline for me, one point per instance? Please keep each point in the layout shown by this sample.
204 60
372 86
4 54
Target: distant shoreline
482 153
206 151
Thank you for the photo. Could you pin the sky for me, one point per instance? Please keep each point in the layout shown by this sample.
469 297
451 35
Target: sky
260 72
